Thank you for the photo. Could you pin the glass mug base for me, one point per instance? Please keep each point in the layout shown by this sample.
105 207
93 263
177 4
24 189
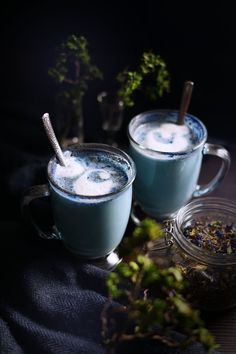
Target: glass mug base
138 213
108 262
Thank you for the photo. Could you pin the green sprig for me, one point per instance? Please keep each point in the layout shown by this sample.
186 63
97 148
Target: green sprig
153 298
151 77
73 69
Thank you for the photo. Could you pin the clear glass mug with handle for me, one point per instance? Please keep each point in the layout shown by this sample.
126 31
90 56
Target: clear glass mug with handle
90 225
167 180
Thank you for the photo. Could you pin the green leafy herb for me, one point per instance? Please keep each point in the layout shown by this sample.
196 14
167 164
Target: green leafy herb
74 67
152 298
151 77
72 71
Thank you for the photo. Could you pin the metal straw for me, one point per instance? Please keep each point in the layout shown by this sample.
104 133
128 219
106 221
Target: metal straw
53 140
186 96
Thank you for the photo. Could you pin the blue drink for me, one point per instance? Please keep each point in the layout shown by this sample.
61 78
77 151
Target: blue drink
168 159
91 198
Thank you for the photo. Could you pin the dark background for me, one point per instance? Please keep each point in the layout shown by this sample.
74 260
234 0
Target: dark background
197 43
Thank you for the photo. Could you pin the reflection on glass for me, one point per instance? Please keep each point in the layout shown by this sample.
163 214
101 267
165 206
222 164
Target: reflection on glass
112 112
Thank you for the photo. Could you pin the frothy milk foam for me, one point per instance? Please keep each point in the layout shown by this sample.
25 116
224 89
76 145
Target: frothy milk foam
91 174
164 137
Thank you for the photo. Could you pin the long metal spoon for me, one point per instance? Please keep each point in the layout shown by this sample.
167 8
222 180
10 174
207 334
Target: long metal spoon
53 140
186 96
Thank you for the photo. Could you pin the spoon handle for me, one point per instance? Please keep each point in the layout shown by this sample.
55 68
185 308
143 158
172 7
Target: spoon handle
186 96
53 140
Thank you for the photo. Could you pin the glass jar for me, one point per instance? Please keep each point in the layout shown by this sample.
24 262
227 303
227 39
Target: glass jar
211 276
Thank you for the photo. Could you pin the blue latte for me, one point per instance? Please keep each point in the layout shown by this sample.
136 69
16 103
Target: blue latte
91 198
164 137
91 174
168 159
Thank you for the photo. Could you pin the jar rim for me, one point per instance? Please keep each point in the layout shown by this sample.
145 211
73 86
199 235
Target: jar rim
214 204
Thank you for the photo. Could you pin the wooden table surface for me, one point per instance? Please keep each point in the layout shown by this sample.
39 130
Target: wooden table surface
222 325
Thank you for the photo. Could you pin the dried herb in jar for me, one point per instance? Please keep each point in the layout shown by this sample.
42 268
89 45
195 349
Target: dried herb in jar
212 282
214 236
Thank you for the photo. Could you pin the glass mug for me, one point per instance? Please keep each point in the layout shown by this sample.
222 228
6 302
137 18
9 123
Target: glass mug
166 181
91 226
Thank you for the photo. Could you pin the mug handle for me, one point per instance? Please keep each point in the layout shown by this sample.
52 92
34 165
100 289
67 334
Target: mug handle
33 193
221 152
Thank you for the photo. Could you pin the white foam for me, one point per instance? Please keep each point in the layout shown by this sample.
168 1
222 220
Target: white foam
166 137
72 169
84 186
90 175
104 175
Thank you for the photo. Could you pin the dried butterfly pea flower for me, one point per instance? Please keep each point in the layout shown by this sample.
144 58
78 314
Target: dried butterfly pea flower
214 236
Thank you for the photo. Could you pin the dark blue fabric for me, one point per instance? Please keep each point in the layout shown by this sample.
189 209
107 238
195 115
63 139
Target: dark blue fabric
50 302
